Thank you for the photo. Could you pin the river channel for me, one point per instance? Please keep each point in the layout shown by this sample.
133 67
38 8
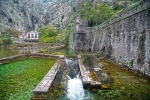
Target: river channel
128 85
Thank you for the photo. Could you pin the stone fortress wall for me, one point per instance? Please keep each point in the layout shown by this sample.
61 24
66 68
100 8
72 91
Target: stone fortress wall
125 38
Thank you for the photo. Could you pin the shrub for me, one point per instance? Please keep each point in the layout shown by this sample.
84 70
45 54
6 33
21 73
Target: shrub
89 60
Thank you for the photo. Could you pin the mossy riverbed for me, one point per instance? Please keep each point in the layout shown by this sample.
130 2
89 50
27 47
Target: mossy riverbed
19 78
128 85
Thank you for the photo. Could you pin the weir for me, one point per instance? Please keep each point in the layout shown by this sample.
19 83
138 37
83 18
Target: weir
74 73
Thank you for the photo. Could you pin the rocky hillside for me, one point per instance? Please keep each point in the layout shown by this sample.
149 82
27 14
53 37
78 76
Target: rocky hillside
19 14
26 15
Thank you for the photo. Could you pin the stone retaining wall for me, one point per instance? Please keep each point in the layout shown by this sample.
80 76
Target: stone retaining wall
41 92
3 60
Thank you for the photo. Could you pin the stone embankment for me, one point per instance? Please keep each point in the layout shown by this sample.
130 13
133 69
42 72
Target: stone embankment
41 92
3 60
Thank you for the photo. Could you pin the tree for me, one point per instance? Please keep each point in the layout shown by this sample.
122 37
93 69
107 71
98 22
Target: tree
96 15
6 36
48 34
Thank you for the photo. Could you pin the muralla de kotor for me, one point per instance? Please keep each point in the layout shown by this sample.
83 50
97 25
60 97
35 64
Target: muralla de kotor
74 49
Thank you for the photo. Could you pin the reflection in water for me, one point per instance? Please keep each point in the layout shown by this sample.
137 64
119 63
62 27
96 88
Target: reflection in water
27 50
6 52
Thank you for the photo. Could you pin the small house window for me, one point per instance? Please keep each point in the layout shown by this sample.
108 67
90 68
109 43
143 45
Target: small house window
35 35
32 35
28 35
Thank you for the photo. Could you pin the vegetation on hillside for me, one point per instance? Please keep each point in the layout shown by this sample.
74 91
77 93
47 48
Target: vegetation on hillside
48 34
100 12
51 34
7 35
95 15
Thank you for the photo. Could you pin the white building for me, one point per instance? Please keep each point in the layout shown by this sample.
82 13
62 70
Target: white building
32 36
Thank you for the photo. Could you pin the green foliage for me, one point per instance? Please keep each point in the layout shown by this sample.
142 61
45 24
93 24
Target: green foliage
48 34
118 7
89 60
19 78
64 36
0 38
5 37
95 15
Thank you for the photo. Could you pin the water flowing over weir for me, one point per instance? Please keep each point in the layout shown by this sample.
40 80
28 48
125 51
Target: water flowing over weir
75 89
74 86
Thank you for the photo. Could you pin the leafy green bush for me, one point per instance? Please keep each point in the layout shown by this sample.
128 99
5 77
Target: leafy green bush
96 15
64 36
89 60
0 38
5 36
48 34
51 34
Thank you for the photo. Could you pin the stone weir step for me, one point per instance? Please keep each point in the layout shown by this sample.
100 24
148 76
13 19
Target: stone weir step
42 89
86 78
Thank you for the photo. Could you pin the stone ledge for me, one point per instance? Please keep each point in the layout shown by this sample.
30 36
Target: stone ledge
31 55
86 78
43 87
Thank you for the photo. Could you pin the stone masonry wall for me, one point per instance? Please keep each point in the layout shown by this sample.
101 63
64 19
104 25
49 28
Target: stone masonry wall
80 37
126 38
